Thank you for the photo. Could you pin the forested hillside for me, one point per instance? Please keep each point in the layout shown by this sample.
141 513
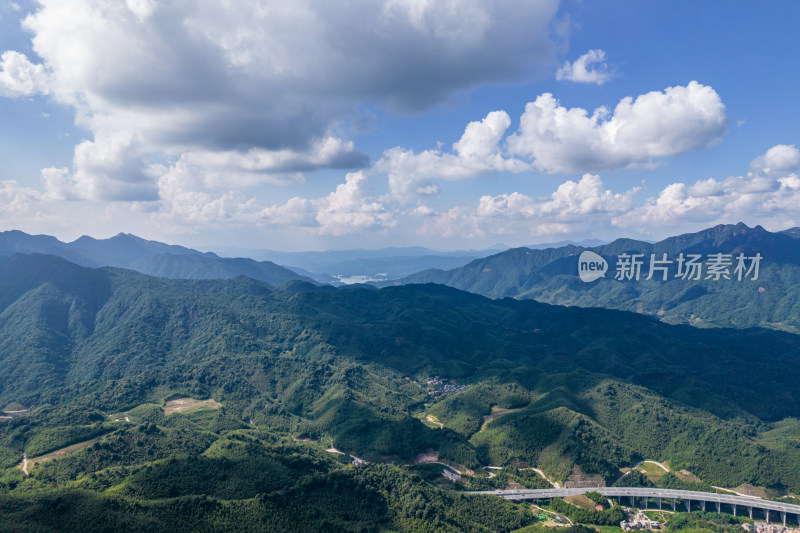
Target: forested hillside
551 276
97 359
148 257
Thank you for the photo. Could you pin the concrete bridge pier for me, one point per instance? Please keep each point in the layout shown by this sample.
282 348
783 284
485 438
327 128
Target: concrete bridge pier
639 496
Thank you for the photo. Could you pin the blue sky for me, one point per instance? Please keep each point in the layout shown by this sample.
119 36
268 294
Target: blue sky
318 126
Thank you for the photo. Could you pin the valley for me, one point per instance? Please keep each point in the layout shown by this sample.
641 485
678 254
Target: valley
234 397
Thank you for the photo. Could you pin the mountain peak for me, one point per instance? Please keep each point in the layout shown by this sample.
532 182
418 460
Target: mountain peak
127 236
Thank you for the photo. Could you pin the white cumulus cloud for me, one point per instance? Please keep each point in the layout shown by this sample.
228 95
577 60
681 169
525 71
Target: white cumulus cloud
571 200
585 205
591 67
770 193
20 77
477 152
16 199
656 124
553 138
778 159
351 208
111 167
233 168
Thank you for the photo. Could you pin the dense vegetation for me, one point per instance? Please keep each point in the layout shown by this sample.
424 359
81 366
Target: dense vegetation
94 355
536 528
703 522
243 484
606 517
551 276
597 498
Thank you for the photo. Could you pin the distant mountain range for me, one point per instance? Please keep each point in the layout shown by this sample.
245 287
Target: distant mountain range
178 262
792 232
551 275
386 263
148 257
545 272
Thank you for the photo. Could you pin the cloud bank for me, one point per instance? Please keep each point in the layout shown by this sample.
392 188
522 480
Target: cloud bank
190 104
258 87
552 138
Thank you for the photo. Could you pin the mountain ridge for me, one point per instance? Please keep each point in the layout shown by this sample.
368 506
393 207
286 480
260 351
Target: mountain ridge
126 250
551 276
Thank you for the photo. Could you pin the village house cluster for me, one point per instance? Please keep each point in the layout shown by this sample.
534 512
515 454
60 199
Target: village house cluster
763 527
440 386
638 522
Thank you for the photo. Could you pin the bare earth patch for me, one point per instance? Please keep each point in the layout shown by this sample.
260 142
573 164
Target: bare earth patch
497 412
184 405
750 490
581 501
28 464
428 457
685 475
580 479
15 407
433 420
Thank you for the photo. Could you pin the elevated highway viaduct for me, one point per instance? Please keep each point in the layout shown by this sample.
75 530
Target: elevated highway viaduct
753 507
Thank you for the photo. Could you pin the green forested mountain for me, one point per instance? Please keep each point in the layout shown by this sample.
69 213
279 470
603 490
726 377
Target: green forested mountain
120 250
196 266
551 276
94 356
148 257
